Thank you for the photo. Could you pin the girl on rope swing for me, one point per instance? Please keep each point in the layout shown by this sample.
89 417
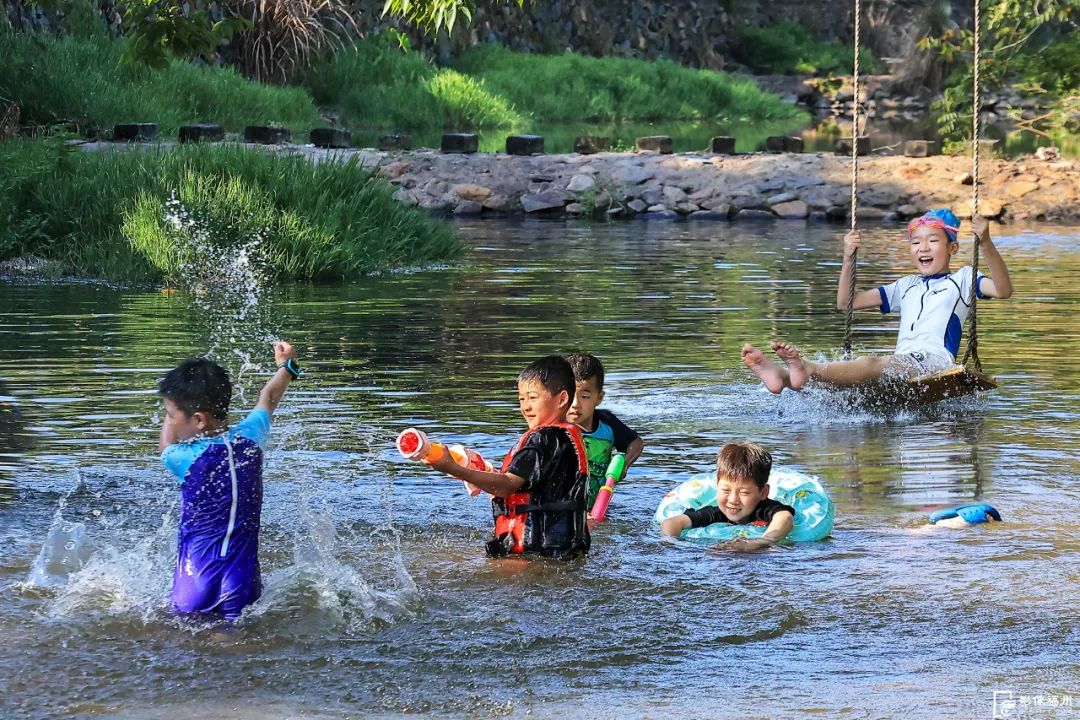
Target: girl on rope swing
933 305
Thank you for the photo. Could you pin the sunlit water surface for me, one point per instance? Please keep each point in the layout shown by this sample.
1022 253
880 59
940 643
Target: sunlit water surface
378 600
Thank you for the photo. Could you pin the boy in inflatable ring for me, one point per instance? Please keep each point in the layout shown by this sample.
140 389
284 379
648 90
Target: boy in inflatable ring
933 305
742 496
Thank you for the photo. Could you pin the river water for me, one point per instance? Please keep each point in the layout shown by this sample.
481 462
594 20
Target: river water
378 600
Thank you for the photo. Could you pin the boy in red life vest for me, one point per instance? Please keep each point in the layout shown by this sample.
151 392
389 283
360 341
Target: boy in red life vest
538 496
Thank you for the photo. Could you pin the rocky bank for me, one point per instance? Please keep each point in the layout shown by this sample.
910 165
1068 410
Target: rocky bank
741 187
702 186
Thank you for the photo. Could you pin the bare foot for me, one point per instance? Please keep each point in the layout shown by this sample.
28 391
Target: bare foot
774 376
797 372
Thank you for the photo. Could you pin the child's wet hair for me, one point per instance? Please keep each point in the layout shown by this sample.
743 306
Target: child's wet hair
744 461
551 371
198 385
585 367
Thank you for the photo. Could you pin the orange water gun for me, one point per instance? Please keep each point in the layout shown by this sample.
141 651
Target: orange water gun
414 444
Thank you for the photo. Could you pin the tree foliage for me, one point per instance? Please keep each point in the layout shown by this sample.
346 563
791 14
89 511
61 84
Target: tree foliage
1020 43
432 15
160 29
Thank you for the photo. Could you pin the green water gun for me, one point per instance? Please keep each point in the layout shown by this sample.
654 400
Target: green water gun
614 472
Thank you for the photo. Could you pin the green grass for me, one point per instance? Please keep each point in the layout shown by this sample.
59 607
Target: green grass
106 214
787 48
379 85
570 87
82 80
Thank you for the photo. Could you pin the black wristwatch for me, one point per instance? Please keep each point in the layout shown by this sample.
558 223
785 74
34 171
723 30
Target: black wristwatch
292 367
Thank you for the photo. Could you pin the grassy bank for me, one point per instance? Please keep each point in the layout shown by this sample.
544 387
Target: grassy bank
569 87
378 84
149 214
82 80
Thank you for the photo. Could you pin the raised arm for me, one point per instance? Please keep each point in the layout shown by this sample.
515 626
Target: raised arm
998 285
864 299
274 390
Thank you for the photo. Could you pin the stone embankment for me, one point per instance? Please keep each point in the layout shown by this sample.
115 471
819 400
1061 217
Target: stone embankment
741 187
703 186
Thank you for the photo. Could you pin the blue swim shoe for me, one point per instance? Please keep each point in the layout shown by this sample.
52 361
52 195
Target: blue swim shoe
971 514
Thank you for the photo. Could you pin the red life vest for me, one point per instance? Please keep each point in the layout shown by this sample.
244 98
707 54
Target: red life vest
544 524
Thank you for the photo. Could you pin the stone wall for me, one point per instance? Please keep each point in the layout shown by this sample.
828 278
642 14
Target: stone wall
697 33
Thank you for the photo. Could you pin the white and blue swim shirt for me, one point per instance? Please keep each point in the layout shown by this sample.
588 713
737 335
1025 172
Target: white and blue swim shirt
932 311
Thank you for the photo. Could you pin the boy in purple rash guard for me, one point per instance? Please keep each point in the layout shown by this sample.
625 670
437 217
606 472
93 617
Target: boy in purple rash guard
220 473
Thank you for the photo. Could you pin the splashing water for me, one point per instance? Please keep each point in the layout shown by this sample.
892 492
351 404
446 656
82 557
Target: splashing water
324 579
65 550
88 571
227 281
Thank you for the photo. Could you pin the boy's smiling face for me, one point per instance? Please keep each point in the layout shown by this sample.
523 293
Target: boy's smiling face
931 250
539 407
737 499
587 395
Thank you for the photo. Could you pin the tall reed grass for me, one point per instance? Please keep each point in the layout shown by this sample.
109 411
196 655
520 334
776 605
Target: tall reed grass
82 80
377 84
133 215
571 87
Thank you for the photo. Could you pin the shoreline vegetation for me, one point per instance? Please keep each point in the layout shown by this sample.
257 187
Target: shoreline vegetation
155 213
141 215
83 82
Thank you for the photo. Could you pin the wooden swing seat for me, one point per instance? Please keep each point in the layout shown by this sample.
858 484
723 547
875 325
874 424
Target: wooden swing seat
956 381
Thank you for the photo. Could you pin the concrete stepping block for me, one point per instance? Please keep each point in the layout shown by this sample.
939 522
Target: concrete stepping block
843 145
524 144
784 144
394 142
135 132
460 143
722 145
266 134
590 144
655 143
202 132
920 148
330 138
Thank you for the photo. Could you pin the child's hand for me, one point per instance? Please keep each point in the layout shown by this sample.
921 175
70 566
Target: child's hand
981 227
744 545
852 242
283 351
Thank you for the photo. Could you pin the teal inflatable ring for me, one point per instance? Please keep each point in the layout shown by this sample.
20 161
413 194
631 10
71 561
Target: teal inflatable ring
814 511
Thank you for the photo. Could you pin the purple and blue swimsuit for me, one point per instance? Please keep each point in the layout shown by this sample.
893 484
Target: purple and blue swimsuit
217 563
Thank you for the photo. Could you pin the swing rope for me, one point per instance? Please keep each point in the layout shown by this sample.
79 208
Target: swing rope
854 179
972 351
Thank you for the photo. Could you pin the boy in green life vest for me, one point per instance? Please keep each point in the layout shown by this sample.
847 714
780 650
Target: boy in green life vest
603 433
